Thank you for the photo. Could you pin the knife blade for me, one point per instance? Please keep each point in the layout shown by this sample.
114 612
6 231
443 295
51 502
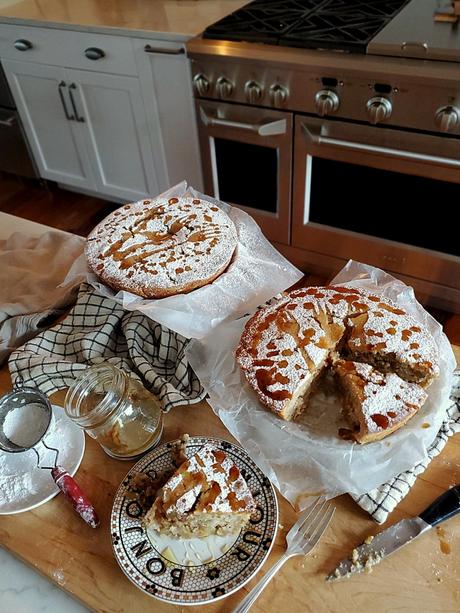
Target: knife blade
375 549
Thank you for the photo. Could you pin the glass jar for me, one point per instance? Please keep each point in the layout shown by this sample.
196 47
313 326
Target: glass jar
116 410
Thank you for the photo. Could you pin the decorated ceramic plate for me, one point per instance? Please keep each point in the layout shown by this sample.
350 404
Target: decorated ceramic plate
190 571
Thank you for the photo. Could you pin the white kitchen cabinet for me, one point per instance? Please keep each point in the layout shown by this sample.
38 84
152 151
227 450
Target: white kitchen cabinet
109 115
40 93
116 133
86 129
166 82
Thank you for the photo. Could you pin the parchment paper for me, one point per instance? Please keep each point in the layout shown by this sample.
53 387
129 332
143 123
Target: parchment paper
258 272
307 458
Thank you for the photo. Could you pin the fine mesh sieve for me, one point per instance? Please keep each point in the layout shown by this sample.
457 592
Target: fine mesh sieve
27 400
25 418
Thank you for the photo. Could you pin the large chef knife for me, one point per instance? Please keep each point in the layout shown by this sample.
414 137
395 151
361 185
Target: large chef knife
374 549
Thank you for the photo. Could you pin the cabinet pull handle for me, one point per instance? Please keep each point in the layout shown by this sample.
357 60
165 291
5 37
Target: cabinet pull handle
22 44
64 105
164 50
94 53
78 117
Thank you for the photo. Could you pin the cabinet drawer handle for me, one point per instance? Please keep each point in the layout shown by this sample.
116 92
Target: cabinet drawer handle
93 53
165 50
68 115
78 117
22 44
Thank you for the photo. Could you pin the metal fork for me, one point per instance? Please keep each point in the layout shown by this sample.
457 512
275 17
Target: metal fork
301 539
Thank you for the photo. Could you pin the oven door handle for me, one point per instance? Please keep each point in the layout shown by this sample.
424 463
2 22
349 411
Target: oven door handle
319 139
271 128
7 122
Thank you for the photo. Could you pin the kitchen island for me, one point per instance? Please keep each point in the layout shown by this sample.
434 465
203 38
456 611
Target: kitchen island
54 541
170 19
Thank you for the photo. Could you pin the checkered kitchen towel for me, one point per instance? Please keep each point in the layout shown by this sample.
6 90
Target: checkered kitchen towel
99 330
382 500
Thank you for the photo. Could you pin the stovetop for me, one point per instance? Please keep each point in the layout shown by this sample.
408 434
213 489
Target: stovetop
341 25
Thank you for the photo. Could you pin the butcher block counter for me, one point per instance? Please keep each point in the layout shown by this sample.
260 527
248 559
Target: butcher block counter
172 18
420 577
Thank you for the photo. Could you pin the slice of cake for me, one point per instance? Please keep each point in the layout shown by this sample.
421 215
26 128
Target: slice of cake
375 404
206 495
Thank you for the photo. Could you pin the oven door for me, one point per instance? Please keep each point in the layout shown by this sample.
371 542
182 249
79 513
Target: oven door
381 196
247 160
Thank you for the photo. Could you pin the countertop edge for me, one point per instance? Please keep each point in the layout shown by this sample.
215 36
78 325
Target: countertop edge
115 31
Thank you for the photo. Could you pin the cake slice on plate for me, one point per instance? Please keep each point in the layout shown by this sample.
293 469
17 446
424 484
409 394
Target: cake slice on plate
206 495
375 404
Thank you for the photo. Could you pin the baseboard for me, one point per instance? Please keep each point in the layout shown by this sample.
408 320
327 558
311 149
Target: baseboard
94 194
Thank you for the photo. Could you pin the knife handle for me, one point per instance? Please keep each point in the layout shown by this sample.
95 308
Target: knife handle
447 505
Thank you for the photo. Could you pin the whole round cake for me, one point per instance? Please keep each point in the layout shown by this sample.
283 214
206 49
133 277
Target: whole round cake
286 346
158 248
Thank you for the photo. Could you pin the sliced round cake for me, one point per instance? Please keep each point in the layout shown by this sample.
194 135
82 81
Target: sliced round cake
286 346
158 248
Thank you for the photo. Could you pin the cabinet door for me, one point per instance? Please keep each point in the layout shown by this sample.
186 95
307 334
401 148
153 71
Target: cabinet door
166 82
111 109
41 94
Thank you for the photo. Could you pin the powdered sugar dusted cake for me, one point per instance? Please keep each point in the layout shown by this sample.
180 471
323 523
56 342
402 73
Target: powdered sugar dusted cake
376 404
157 248
206 495
286 346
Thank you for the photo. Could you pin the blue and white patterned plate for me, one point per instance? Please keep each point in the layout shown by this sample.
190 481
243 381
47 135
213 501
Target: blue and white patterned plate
194 571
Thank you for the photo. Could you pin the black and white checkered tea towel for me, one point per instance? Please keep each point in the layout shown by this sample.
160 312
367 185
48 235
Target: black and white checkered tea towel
96 330
382 500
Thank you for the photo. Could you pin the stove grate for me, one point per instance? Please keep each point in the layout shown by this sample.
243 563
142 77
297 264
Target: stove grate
345 25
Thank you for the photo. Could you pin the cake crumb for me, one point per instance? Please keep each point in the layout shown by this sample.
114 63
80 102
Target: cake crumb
368 540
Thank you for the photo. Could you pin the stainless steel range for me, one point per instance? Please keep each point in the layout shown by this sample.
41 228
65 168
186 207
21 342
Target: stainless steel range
336 125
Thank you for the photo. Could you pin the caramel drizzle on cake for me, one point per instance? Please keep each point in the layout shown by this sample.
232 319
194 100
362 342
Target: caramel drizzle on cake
162 247
285 346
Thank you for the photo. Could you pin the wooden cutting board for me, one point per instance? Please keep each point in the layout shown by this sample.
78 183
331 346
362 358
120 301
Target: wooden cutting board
419 578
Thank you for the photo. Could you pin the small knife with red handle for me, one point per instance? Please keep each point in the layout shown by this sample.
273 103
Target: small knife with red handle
376 548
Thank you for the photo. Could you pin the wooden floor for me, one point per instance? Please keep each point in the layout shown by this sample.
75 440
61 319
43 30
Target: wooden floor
48 204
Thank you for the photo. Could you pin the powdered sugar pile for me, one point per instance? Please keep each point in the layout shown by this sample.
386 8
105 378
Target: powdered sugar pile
14 487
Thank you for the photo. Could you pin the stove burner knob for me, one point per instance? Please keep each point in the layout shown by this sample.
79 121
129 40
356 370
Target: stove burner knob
278 95
447 118
253 91
224 87
201 84
378 109
327 102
